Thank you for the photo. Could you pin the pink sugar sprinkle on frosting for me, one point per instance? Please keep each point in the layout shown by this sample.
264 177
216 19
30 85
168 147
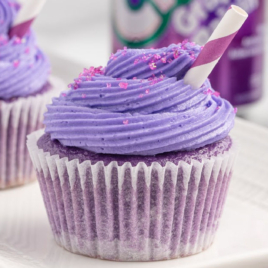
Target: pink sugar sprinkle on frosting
235 110
216 93
176 54
136 61
17 41
123 85
141 95
218 107
208 92
27 50
125 122
152 66
83 96
144 58
125 48
109 85
157 56
75 86
164 60
64 94
147 91
70 85
134 78
16 63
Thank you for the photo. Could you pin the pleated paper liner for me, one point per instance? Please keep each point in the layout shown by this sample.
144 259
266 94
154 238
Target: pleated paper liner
128 213
18 119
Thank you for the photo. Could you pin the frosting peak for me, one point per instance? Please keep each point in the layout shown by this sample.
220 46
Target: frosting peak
129 108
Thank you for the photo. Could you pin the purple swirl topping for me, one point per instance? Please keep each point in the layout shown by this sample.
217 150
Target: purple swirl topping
159 114
24 69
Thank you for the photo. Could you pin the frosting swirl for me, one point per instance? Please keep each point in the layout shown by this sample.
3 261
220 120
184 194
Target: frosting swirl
24 69
105 114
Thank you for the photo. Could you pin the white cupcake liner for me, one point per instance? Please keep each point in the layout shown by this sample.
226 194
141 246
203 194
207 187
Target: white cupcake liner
17 119
129 213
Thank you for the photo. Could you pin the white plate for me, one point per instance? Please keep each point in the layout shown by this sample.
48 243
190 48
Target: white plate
242 240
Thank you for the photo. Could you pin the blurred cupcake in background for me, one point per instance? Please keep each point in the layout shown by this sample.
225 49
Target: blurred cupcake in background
25 89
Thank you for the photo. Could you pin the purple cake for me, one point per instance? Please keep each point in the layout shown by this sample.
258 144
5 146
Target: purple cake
25 89
134 165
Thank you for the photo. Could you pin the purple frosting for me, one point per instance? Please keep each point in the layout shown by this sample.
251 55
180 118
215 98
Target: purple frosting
148 116
24 69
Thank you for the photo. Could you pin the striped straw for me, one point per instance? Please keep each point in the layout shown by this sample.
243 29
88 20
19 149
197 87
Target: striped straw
28 12
216 46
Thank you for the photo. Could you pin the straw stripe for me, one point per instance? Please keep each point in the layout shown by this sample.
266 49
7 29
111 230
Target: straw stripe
213 50
216 46
26 16
21 29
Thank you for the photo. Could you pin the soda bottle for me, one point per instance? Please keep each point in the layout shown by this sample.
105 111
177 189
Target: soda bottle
157 23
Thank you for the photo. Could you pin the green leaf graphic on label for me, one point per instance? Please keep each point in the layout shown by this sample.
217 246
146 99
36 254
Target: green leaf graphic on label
136 5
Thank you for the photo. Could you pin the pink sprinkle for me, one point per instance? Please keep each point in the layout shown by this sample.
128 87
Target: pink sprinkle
64 94
123 85
235 110
147 91
144 58
152 66
77 81
218 107
208 92
136 61
109 85
216 93
125 48
176 54
134 78
157 56
83 96
125 122
89 78
70 85
141 95
17 41
75 86
164 60
192 56
27 50
16 63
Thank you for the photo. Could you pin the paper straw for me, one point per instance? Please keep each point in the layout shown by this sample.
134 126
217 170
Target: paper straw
216 46
25 17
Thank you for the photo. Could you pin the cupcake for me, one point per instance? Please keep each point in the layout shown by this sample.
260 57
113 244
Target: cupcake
134 165
25 89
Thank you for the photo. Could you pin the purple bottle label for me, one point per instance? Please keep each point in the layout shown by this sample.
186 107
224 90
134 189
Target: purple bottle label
157 23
